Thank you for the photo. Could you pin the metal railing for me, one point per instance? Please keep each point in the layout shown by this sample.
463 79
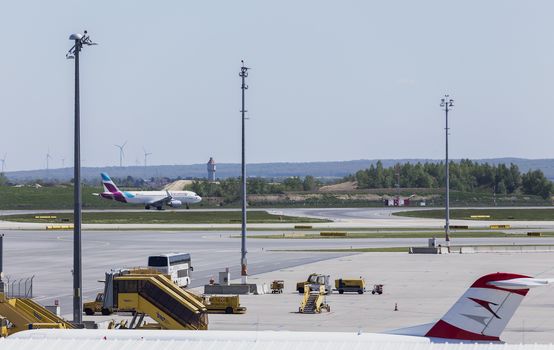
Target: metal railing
19 288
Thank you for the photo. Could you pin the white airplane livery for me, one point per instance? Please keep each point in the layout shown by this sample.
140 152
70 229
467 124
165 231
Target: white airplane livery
150 199
474 322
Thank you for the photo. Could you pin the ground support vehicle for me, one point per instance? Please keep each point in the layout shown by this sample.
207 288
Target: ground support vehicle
377 289
355 285
277 286
314 301
19 314
229 304
148 292
314 281
97 305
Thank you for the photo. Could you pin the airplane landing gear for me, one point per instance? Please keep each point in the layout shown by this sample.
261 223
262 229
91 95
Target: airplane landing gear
147 207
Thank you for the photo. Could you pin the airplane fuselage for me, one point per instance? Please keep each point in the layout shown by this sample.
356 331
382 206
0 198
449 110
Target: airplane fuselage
150 197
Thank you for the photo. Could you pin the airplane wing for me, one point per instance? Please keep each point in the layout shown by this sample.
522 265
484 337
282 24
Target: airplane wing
160 201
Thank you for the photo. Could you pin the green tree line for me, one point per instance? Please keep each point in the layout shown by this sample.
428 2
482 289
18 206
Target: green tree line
465 176
230 188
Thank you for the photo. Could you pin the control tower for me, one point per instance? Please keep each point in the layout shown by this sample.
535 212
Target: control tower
211 170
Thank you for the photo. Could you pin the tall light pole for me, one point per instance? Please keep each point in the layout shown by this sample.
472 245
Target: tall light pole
243 261
80 40
447 104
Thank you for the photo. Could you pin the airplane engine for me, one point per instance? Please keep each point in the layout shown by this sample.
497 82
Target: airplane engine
175 203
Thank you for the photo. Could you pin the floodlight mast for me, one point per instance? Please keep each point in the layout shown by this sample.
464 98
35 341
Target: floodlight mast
73 53
243 260
447 103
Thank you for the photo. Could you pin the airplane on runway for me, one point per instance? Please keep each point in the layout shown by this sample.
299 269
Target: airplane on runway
150 199
476 320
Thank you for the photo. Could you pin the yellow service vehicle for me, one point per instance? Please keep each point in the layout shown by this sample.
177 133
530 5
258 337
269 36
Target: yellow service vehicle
277 286
3 327
314 301
19 314
314 281
355 285
92 307
229 304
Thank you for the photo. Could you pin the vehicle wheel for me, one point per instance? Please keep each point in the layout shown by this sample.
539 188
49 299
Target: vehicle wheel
229 310
147 207
360 292
89 312
159 208
341 291
106 312
372 292
380 293
300 290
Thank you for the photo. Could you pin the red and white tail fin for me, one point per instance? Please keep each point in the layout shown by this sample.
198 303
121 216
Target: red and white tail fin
482 313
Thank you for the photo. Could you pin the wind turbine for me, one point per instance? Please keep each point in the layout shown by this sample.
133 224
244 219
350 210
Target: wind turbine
3 160
121 153
146 154
48 157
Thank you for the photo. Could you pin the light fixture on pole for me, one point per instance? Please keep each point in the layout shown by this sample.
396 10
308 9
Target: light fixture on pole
447 103
243 260
73 53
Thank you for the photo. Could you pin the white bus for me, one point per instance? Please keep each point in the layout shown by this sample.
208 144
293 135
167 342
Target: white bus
177 265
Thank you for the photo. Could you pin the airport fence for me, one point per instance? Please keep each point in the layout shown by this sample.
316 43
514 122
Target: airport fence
19 288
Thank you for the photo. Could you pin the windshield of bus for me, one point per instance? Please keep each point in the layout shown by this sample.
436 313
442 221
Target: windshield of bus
157 261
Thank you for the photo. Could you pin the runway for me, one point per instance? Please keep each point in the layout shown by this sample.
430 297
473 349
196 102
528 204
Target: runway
49 257
341 218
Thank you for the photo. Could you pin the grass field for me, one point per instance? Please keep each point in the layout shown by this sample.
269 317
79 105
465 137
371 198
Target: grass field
58 197
61 197
400 234
541 214
166 217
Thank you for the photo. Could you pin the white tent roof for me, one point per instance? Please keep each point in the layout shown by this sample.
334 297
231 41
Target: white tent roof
221 340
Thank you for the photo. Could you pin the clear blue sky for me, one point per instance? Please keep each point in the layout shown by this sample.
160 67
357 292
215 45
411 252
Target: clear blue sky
330 80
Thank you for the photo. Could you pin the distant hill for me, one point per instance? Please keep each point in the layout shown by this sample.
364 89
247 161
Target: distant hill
331 170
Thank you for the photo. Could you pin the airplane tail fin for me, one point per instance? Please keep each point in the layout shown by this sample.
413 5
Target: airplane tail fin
483 311
109 185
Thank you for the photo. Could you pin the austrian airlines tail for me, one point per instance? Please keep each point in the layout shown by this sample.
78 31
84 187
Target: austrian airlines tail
109 185
482 313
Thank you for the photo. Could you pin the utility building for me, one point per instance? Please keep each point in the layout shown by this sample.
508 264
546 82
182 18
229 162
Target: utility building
211 169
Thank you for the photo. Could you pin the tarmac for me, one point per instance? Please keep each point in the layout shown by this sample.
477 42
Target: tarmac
424 287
